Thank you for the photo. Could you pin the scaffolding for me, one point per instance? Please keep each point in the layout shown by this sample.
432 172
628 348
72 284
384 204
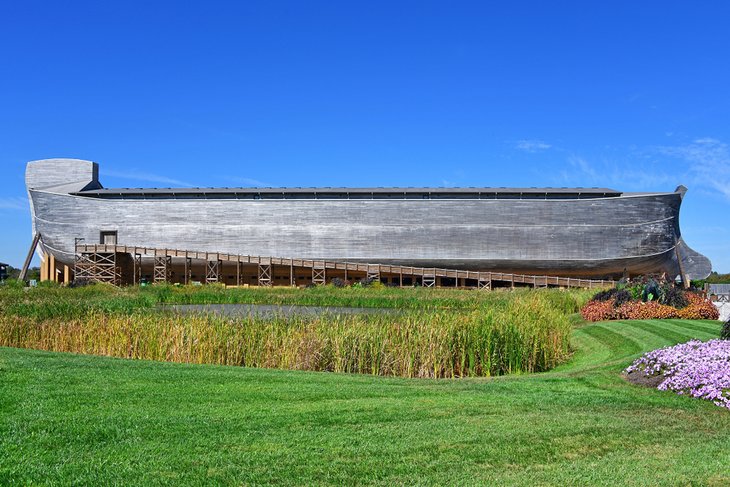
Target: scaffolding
163 269
265 274
319 273
212 271
97 267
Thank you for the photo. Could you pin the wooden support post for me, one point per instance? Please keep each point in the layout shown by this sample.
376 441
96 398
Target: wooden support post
683 276
319 273
291 273
137 264
212 271
29 257
400 277
66 274
265 274
44 268
188 270
429 280
163 266
238 272
52 268
484 283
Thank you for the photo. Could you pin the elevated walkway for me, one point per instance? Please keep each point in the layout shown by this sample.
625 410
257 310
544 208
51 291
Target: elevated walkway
121 264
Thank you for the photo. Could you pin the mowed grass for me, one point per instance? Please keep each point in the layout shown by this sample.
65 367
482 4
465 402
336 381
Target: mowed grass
97 421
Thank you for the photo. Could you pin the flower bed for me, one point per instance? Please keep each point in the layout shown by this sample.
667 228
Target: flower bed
697 369
649 301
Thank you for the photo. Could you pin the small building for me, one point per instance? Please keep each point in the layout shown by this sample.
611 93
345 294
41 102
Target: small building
721 292
3 271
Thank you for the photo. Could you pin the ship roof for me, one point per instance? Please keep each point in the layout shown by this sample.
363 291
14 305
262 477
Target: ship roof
345 192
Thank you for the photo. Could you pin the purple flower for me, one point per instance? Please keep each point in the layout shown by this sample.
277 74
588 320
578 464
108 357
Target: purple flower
698 369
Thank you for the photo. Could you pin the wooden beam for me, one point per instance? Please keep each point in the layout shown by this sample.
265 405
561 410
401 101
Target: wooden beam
29 257
54 276
44 269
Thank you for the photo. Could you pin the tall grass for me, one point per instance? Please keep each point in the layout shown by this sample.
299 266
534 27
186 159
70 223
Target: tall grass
368 297
57 302
482 334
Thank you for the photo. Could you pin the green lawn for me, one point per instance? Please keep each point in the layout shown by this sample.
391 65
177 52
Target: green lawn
88 420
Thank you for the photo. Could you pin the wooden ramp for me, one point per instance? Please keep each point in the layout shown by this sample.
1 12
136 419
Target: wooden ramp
121 264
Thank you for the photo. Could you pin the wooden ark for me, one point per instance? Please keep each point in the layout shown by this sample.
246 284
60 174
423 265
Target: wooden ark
587 233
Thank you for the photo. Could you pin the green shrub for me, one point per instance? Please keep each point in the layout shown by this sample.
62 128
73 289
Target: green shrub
725 332
13 284
651 291
48 284
636 291
622 297
673 296
605 294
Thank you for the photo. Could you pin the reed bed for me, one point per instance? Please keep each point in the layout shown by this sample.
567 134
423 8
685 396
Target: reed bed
53 301
49 301
367 297
497 333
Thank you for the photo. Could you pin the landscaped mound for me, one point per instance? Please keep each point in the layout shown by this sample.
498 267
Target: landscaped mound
698 369
648 300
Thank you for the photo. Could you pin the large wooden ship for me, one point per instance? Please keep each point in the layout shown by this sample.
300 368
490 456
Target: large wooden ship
578 232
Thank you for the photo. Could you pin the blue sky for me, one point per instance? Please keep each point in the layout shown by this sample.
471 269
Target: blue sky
628 95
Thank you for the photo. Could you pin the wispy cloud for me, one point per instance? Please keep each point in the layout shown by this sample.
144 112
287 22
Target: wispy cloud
532 145
13 203
708 162
249 182
136 175
621 175
582 167
703 163
645 180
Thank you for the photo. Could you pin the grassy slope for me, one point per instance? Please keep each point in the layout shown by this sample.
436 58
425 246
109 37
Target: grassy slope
66 418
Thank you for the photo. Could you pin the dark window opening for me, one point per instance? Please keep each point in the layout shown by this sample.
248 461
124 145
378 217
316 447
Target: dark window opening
108 238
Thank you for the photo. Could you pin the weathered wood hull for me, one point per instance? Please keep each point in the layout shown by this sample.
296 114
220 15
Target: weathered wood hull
596 237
